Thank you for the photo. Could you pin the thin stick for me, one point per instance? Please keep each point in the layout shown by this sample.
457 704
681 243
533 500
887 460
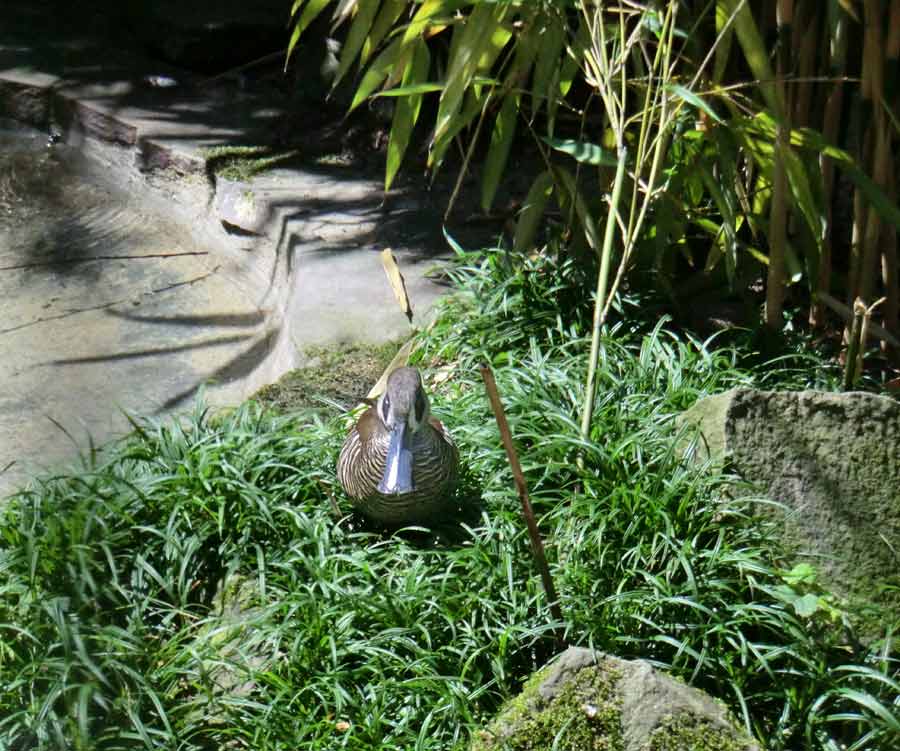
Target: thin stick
537 546
853 345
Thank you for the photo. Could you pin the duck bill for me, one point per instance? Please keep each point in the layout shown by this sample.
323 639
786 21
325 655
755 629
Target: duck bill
397 476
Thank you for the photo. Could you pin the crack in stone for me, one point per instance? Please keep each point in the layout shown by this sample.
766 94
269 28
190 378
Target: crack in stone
94 259
76 311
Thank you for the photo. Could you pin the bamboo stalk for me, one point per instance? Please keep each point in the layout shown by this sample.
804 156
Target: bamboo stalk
889 253
806 40
870 92
845 312
537 545
873 88
853 345
775 284
599 299
890 276
837 66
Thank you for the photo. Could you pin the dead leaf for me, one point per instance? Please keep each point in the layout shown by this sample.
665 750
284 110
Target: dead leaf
399 361
398 285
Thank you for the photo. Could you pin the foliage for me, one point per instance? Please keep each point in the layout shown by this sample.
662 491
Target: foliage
732 169
192 588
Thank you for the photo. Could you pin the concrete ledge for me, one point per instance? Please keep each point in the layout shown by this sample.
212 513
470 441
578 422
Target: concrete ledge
306 272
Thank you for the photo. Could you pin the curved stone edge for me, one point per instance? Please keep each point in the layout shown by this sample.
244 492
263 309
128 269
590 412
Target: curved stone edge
173 182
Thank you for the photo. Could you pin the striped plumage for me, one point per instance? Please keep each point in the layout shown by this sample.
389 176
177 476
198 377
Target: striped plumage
399 464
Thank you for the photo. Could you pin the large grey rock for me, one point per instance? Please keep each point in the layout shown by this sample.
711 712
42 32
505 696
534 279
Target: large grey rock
589 700
833 461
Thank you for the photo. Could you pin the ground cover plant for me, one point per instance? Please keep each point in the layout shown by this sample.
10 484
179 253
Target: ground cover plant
200 585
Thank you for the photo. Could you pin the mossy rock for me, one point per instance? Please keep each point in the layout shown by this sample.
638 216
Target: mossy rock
832 463
588 701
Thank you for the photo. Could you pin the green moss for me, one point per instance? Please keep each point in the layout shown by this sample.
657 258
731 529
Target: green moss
584 716
243 162
344 374
685 732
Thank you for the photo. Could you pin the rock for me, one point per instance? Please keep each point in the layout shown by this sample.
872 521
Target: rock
587 700
238 208
833 461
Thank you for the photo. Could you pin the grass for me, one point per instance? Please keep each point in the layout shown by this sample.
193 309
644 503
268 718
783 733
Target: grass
245 162
194 588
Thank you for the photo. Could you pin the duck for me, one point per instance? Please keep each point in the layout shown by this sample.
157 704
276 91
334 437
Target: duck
399 464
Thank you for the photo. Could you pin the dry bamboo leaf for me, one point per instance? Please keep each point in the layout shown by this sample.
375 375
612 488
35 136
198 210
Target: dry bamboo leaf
399 361
395 278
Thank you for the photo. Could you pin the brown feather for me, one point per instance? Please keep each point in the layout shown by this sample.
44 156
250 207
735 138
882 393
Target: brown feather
361 466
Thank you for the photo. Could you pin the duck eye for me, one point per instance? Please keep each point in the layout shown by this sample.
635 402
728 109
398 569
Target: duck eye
385 407
421 406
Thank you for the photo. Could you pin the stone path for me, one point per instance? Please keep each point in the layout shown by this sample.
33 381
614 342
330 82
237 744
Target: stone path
135 303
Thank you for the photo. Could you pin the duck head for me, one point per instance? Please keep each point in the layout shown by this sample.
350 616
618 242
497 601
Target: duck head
404 409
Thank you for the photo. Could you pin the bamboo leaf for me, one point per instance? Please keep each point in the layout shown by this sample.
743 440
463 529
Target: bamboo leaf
356 37
533 211
476 45
723 48
310 13
406 113
726 235
498 153
754 49
471 107
757 133
391 10
416 88
398 284
377 72
430 13
549 59
849 9
810 139
693 99
565 180
343 11
582 151
885 207
567 71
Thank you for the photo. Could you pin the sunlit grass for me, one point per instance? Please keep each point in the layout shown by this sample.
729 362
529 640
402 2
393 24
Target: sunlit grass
195 589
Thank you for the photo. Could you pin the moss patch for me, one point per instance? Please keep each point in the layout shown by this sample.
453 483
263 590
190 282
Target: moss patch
685 731
243 162
342 375
583 716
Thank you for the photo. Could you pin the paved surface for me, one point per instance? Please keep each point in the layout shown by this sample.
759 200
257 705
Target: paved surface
126 291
